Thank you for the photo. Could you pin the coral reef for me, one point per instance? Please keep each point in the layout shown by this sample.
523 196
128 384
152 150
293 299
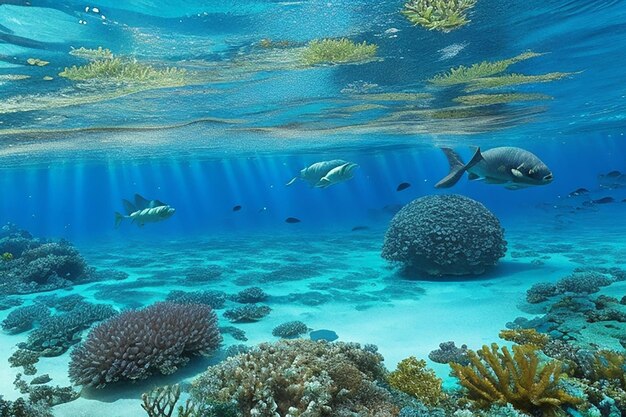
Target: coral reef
203 274
250 295
445 235
212 298
66 303
290 329
583 283
9 302
161 402
299 378
337 51
540 292
494 376
529 337
136 344
24 318
45 394
25 358
247 314
23 408
443 15
448 352
235 332
414 378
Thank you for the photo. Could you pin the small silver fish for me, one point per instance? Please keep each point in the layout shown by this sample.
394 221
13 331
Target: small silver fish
515 168
144 211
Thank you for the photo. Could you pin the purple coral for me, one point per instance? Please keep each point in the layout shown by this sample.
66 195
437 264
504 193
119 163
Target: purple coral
136 344
445 235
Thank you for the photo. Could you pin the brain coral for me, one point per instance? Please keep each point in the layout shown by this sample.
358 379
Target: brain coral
299 378
136 344
445 235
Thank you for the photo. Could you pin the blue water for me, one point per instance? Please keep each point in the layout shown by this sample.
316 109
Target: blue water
70 151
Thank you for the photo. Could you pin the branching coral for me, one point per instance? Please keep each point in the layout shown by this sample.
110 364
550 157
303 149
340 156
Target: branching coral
136 344
444 15
299 378
495 376
530 337
337 51
290 329
610 365
414 378
463 74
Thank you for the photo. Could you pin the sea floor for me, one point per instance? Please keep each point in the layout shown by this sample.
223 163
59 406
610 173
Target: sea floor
331 280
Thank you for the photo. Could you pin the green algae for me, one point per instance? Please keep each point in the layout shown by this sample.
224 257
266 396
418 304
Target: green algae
514 79
337 51
442 15
489 99
394 96
37 62
464 75
119 70
92 54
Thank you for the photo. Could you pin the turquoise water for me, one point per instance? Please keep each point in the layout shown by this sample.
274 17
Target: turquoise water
211 108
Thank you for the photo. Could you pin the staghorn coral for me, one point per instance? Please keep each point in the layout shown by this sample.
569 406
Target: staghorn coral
495 377
443 15
414 378
445 235
290 329
337 51
529 337
464 75
136 344
299 378
247 314
250 295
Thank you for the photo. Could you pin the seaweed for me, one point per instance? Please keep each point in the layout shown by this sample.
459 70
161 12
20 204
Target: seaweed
337 51
503 98
92 54
443 15
514 79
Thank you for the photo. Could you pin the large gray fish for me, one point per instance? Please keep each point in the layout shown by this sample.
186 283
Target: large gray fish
315 173
515 168
144 211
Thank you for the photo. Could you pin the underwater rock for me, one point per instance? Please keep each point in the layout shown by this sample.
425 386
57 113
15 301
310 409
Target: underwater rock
448 353
250 296
24 318
247 314
290 330
316 379
212 298
135 344
445 235
323 334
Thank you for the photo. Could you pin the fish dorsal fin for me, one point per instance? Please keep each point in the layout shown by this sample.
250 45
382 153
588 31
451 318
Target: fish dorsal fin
517 173
128 207
156 203
140 202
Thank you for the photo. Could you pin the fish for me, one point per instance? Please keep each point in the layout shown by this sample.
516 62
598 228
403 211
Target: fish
515 168
357 228
236 208
292 220
314 173
338 174
577 192
604 200
144 211
403 186
613 174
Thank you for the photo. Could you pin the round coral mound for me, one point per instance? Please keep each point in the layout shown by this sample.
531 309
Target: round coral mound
445 235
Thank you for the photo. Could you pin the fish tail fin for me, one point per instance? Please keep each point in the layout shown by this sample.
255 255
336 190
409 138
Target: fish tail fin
291 182
118 219
457 167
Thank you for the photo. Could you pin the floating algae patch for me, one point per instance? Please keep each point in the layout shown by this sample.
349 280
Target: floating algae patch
443 15
37 62
489 99
394 96
464 75
117 69
338 51
458 113
92 54
361 108
514 79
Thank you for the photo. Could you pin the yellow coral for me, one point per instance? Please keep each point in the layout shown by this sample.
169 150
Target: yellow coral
413 378
525 337
610 365
497 377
